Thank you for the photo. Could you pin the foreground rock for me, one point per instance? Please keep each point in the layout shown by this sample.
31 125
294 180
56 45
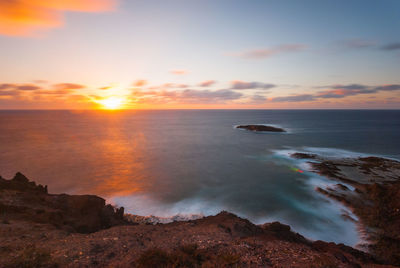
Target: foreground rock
261 128
28 239
370 187
22 199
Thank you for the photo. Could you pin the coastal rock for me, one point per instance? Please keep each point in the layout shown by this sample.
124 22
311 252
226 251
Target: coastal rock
261 128
284 232
303 156
21 183
41 232
23 199
375 199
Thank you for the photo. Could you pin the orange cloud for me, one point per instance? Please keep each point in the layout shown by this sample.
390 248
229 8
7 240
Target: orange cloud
140 83
179 72
64 86
28 17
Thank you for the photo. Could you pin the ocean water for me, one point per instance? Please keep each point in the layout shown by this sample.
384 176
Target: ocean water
189 162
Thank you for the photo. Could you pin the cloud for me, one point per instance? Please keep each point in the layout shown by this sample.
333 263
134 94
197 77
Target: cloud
387 88
7 86
237 84
362 44
140 83
40 81
338 92
294 98
357 43
28 87
36 90
169 86
392 46
28 17
209 96
54 92
172 85
341 91
63 86
350 87
179 72
269 52
257 99
8 93
207 83
186 96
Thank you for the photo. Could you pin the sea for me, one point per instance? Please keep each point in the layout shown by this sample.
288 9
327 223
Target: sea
192 163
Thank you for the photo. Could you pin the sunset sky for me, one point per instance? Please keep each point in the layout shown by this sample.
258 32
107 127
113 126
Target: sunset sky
85 54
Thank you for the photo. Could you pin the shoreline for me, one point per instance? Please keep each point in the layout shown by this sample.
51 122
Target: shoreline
59 230
362 185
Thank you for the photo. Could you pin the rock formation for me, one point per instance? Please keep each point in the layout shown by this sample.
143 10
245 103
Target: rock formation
261 128
38 229
22 199
375 199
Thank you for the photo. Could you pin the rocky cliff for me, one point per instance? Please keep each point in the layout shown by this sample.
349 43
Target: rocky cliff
38 229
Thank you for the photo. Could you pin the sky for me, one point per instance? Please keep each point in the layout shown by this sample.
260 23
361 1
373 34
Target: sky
201 54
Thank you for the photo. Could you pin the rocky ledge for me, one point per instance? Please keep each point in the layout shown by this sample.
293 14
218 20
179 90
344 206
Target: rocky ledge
370 187
23 199
261 128
38 229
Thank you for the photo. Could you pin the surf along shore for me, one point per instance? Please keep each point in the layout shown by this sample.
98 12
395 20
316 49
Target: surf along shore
38 229
370 188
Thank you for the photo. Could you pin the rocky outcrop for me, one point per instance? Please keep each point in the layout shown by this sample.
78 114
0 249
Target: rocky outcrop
261 128
303 156
23 199
21 183
375 199
45 230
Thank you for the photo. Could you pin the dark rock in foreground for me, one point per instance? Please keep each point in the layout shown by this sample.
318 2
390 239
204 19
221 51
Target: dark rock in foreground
36 230
261 128
23 199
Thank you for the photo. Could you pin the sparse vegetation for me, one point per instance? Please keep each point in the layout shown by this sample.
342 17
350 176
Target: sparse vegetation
32 257
186 256
4 219
383 215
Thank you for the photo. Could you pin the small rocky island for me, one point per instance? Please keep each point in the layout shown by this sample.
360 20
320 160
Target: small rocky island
261 128
38 229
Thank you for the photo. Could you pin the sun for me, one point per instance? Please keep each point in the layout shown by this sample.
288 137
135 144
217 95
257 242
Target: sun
112 103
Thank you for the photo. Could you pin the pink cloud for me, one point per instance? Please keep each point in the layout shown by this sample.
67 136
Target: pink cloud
264 53
179 72
207 83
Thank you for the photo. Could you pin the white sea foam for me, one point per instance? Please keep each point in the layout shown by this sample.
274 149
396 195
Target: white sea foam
327 210
316 180
340 153
157 212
